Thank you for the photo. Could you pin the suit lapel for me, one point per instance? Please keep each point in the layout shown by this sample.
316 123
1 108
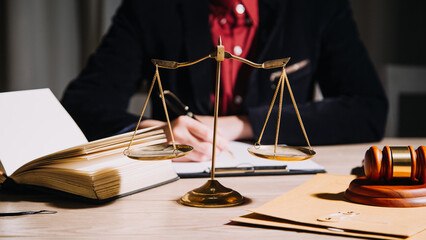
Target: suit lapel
198 43
270 40
271 19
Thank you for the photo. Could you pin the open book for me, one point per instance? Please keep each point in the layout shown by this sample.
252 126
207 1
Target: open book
41 145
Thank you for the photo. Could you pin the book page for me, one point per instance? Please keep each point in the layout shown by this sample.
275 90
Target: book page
33 123
241 158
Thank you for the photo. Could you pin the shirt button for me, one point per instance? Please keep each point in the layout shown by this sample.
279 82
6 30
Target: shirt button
238 99
238 50
222 21
240 8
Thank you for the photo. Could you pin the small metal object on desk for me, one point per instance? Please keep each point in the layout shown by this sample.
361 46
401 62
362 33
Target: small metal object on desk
27 213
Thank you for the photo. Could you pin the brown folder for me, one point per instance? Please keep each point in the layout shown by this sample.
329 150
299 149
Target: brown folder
320 206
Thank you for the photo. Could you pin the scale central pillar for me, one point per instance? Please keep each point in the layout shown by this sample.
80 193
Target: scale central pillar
212 193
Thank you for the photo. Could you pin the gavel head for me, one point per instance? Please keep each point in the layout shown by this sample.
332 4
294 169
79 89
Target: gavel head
395 162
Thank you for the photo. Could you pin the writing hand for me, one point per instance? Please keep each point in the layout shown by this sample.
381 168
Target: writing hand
230 127
194 133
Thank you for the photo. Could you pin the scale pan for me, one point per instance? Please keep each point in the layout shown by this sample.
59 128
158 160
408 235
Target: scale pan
158 152
284 153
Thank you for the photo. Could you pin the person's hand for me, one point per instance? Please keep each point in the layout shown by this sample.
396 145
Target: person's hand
194 133
230 127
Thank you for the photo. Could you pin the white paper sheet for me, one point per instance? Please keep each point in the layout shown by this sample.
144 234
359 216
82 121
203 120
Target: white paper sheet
242 159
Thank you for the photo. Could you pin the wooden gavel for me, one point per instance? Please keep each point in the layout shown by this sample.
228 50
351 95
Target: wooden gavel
395 163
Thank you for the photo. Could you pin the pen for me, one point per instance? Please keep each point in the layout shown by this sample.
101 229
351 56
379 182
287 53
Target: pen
252 169
184 110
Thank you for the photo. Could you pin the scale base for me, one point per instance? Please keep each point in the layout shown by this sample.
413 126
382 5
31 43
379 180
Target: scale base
211 195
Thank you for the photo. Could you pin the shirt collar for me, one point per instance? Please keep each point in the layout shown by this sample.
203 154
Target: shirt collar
252 9
223 7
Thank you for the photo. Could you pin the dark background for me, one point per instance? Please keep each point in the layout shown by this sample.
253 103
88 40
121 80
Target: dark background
394 32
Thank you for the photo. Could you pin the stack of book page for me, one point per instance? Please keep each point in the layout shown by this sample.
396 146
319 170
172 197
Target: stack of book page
41 146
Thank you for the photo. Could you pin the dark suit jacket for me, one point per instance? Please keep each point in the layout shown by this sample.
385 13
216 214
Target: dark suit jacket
354 107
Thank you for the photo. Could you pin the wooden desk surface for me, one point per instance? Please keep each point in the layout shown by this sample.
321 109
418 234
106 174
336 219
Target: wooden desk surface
155 213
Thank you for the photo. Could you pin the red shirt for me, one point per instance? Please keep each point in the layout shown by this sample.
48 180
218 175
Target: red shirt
236 22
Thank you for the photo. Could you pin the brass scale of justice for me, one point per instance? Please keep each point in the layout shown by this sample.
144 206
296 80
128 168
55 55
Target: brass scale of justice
212 193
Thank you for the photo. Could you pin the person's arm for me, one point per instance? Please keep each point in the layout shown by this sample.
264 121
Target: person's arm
98 98
354 107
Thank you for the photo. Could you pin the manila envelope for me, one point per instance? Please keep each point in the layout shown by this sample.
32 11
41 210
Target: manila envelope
319 206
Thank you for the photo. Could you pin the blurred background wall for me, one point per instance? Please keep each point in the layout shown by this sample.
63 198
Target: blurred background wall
45 43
